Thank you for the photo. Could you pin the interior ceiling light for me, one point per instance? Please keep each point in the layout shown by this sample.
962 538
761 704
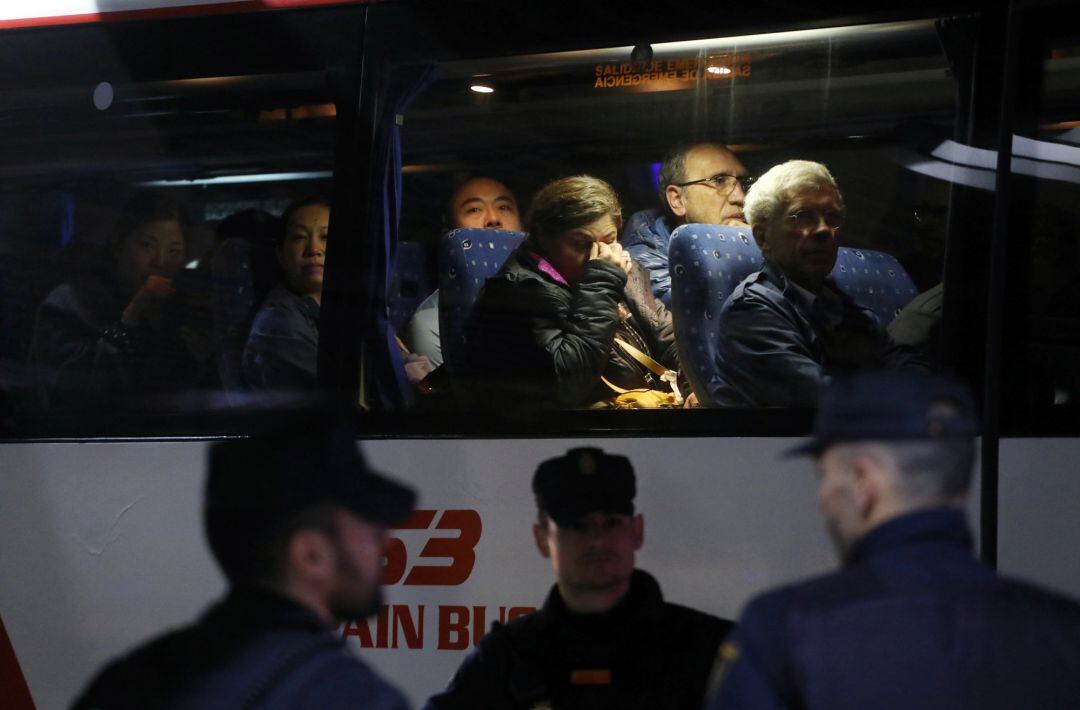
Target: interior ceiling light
719 71
482 88
240 179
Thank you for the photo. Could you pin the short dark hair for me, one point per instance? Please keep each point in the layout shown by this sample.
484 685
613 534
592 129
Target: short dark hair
146 207
250 546
672 172
571 202
296 205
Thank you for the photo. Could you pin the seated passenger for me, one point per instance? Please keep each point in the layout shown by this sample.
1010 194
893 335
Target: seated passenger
283 346
479 203
699 183
108 336
786 327
544 329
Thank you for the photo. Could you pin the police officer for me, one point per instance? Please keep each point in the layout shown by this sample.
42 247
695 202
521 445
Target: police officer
605 637
913 620
297 521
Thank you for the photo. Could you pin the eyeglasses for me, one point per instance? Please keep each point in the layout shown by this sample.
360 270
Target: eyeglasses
723 182
806 219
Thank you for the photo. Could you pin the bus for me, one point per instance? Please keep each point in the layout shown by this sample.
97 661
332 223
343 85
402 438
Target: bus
952 128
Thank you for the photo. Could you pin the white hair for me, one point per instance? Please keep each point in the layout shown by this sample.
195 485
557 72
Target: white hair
773 190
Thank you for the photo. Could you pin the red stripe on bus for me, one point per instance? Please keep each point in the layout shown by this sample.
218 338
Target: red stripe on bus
13 688
168 12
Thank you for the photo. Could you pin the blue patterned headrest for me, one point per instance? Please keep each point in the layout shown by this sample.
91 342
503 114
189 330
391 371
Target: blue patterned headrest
874 280
467 258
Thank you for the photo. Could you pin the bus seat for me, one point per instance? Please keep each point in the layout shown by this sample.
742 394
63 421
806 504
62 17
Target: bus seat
709 261
410 284
243 273
875 280
467 258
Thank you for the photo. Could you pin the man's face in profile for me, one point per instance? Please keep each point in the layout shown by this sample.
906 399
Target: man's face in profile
483 203
717 202
357 589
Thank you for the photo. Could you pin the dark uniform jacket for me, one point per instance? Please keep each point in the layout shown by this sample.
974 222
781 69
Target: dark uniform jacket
912 621
779 342
533 342
253 650
282 350
644 653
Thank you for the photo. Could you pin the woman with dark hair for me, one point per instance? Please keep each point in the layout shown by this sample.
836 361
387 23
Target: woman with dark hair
570 319
107 335
283 345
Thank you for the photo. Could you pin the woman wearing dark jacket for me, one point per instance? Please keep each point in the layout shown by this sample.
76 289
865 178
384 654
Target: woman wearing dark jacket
110 338
543 331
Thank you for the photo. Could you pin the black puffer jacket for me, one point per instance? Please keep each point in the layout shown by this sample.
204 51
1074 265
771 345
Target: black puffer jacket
535 343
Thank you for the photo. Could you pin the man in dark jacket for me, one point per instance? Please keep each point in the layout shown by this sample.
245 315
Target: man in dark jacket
605 637
787 327
698 183
297 522
913 620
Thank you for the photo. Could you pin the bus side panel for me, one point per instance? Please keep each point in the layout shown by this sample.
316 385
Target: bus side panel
1039 512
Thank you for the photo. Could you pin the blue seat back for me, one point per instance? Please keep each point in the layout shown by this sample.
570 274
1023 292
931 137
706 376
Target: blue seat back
467 258
410 284
708 261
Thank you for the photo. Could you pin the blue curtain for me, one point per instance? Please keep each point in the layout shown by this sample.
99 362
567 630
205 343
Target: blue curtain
388 387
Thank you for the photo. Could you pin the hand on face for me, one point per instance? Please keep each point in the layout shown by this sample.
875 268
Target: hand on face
613 254
146 306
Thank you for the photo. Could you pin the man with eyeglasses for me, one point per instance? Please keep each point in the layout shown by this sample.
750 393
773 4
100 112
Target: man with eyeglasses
698 183
787 327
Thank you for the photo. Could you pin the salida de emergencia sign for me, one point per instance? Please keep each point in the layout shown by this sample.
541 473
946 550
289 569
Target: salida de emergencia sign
612 75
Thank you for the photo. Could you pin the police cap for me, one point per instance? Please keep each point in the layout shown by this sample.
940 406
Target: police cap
289 470
888 406
583 481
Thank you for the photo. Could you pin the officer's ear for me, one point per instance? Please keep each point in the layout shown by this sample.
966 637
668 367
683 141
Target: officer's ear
867 492
310 556
638 523
540 535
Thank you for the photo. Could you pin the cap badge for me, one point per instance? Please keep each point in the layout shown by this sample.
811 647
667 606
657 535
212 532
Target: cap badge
586 463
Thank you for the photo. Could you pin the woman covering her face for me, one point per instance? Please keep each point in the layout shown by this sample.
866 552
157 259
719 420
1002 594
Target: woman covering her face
106 338
544 332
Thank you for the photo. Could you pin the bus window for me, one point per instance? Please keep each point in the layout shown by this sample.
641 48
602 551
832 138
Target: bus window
162 235
483 140
1045 394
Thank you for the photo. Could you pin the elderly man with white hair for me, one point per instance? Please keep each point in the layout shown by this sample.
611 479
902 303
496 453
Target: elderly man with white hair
787 327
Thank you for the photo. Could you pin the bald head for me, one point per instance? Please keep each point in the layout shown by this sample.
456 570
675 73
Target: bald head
484 203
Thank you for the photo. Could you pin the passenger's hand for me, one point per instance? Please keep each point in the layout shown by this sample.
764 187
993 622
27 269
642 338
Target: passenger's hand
691 402
145 307
612 253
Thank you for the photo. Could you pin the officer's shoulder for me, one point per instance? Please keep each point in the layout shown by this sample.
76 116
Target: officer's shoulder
683 621
342 679
822 591
1020 592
